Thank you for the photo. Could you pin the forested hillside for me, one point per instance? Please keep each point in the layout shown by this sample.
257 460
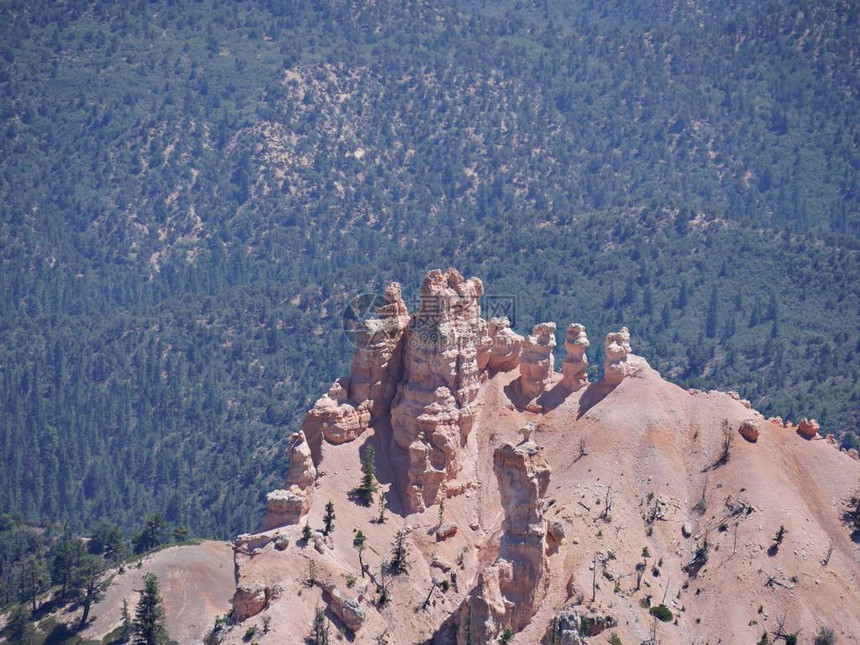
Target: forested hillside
192 191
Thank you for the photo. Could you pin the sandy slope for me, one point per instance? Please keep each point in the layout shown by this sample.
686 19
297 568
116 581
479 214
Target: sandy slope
196 582
651 442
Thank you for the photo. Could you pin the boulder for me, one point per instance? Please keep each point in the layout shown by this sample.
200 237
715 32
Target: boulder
349 610
555 532
572 625
445 531
808 428
749 430
575 365
536 360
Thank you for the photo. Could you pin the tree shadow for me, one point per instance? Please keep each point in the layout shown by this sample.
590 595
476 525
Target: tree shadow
773 550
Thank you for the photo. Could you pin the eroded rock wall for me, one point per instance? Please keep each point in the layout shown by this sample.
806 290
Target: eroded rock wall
432 412
510 591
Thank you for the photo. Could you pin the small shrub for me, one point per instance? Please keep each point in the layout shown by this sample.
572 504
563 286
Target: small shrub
824 636
662 612
614 639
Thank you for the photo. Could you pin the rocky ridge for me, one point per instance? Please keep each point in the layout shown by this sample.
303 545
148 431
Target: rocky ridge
464 451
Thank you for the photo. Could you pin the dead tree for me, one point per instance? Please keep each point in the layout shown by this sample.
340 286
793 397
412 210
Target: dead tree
827 555
607 506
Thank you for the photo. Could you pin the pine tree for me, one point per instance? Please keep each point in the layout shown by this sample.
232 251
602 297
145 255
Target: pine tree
149 621
91 584
127 627
328 518
319 635
358 543
381 518
399 554
368 481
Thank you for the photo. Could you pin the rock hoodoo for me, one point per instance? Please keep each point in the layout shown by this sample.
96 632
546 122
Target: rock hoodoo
350 405
616 366
506 345
537 361
510 591
575 363
433 409
288 505
335 418
377 361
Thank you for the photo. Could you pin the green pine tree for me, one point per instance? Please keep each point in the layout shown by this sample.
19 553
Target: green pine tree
368 481
149 621
328 518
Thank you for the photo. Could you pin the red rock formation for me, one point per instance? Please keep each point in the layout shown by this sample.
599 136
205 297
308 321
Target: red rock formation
808 428
510 591
335 418
616 366
536 360
288 505
432 413
749 430
506 345
575 364
377 361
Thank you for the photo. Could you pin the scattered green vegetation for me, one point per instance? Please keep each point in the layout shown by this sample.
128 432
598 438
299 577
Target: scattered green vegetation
188 206
662 612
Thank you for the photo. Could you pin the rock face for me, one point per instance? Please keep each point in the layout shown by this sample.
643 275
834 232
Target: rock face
288 505
537 360
285 507
349 610
571 626
808 428
301 472
506 345
249 601
335 418
575 364
432 412
616 366
510 591
350 405
378 358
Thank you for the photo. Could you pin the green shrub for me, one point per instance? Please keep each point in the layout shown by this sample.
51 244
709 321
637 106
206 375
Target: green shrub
662 612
